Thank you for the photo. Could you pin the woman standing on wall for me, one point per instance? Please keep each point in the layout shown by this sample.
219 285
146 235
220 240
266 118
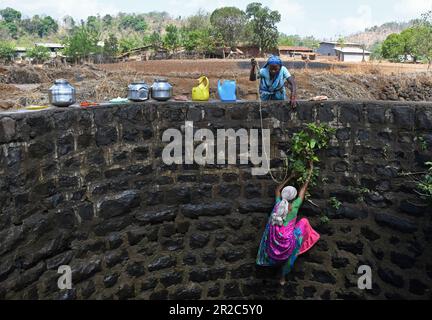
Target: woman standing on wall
284 238
274 77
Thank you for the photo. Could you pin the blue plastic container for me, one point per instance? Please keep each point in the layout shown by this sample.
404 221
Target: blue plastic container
227 90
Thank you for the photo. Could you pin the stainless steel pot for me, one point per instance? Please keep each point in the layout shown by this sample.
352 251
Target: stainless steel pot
62 93
162 90
138 91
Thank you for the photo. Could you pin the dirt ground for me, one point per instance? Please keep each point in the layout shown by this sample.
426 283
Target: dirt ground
23 85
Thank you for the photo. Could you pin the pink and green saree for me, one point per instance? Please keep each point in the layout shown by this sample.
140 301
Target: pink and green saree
281 245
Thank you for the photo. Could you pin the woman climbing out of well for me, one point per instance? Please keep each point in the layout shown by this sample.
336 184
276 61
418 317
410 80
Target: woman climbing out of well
274 77
284 237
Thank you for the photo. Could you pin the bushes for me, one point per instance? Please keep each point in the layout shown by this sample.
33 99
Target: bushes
7 51
38 54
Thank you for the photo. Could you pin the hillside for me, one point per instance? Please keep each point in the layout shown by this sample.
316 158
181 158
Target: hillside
378 33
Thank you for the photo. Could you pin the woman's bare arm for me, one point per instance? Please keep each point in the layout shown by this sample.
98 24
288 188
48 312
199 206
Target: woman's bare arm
253 75
303 190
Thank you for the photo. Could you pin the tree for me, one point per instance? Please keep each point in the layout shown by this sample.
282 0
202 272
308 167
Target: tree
93 23
68 22
341 42
376 51
198 21
172 38
11 27
230 23
263 24
107 20
133 22
127 44
423 37
81 44
392 47
156 40
40 26
7 51
39 54
10 15
111 48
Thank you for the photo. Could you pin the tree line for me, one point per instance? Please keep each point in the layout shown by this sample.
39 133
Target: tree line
414 43
201 32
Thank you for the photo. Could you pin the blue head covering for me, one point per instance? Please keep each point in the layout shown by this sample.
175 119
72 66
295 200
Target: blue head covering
273 60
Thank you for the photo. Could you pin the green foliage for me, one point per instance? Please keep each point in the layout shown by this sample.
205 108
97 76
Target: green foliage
304 149
324 219
335 203
230 23
376 51
111 48
7 51
425 184
38 54
415 42
10 15
198 22
127 44
156 40
11 28
296 40
263 25
341 42
133 22
172 38
81 44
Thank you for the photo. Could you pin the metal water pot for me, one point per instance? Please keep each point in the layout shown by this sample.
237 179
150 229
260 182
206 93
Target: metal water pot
62 93
162 90
138 91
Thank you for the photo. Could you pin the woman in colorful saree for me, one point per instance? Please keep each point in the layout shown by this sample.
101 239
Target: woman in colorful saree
273 79
285 238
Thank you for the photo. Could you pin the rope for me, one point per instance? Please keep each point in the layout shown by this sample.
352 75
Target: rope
257 68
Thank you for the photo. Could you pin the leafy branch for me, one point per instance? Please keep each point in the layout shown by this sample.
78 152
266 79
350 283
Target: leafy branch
305 146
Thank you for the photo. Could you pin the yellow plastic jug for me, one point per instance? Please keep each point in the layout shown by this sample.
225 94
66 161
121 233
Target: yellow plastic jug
202 91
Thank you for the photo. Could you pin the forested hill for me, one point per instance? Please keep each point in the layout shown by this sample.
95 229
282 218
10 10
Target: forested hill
379 33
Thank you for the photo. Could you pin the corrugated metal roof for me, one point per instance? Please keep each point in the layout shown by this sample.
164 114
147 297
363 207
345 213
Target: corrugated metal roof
352 50
49 45
295 48
346 43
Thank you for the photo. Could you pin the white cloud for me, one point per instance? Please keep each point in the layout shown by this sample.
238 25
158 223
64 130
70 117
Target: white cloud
409 9
292 15
352 24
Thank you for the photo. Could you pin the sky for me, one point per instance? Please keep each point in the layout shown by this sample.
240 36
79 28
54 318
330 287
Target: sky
326 19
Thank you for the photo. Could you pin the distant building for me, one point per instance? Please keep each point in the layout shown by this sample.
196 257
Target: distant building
328 48
20 53
54 48
351 54
293 50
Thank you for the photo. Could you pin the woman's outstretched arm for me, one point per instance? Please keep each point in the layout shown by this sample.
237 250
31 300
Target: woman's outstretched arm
303 190
280 187
253 75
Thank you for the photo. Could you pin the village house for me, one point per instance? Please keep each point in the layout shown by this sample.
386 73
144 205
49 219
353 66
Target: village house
54 48
328 48
294 50
351 54
20 53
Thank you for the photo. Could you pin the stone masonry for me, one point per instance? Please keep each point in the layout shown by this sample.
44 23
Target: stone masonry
88 188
